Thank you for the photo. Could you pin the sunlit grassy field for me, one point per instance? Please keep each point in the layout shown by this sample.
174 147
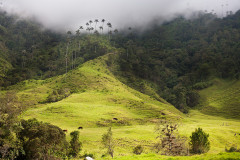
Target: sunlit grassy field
99 97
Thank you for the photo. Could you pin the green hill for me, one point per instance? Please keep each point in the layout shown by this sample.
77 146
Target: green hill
222 99
97 97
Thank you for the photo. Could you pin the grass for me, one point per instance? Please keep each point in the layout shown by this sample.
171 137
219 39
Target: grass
98 97
222 99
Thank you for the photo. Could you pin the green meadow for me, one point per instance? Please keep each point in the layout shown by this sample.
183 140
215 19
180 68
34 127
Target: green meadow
98 97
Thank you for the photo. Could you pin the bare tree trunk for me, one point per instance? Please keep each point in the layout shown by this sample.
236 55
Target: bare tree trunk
66 57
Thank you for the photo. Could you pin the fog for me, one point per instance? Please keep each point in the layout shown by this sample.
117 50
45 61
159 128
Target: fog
70 14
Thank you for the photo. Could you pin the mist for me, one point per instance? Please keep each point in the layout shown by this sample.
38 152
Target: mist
70 14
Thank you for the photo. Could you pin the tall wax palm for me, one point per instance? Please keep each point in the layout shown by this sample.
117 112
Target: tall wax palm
69 33
78 32
87 24
115 31
90 22
101 28
103 20
96 21
109 34
81 27
88 29
91 29
109 25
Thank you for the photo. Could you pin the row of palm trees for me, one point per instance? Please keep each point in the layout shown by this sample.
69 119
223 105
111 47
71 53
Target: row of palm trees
90 29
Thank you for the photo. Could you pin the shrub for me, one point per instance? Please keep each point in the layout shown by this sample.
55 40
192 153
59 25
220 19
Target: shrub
58 95
232 149
138 149
201 85
41 140
108 142
170 143
199 142
75 144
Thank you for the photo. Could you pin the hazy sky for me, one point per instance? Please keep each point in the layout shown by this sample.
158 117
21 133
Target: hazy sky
70 14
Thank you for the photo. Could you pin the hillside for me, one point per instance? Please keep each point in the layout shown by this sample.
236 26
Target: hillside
94 88
221 99
98 97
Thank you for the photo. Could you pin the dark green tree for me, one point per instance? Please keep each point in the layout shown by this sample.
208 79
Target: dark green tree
199 142
75 144
138 150
42 140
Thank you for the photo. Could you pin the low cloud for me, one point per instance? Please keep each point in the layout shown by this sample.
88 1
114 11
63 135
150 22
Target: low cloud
70 14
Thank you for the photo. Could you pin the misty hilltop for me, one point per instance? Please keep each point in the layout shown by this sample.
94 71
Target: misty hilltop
70 14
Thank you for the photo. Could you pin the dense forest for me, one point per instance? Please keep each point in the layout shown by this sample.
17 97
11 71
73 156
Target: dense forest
180 56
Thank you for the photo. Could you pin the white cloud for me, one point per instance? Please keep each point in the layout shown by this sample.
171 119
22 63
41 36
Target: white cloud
66 14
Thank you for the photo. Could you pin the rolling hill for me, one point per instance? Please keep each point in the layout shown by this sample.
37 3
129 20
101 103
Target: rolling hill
99 100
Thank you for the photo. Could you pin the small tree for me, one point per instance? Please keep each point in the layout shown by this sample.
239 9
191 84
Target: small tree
75 144
107 141
170 143
138 150
199 142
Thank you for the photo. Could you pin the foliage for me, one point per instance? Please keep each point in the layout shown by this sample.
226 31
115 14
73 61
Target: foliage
170 143
108 142
182 55
138 150
58 95
10 108
232 149
75 144
199 142
42 140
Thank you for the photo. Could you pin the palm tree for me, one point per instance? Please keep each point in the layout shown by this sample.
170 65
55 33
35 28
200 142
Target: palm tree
109 34
101 28
109 25
115 31
78 32
88 29
81 27
91 29
90 22
69 33
103 20
96 21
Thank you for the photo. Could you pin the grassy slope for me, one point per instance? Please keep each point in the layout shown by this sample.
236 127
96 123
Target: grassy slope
100 97
222 99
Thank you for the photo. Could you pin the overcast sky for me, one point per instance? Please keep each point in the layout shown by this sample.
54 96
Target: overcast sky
70 14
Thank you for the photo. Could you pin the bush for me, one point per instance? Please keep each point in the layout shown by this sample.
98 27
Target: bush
199 142
58 95
41 140
169 141
201 85
75 144
232 149
108 142
138 150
